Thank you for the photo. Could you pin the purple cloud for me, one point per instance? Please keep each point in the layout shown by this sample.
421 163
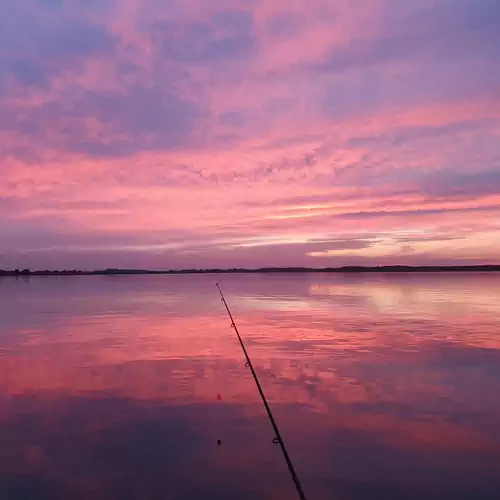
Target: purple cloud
140 119
228 35
453 182
445 29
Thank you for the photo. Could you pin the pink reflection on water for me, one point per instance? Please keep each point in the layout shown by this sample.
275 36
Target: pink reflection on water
401 373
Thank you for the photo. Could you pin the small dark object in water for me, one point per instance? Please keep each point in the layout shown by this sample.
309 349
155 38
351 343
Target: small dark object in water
219 442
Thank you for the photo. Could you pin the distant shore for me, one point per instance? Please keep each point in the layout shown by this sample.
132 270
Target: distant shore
345 269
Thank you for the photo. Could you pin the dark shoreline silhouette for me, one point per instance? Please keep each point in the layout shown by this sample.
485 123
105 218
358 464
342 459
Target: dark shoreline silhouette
345 269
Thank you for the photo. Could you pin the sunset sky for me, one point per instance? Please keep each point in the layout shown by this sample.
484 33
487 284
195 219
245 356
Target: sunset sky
223 133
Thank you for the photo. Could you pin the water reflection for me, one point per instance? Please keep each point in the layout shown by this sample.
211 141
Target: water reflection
384 386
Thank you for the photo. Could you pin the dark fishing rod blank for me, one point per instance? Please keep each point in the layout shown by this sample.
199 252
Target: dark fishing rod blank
278 439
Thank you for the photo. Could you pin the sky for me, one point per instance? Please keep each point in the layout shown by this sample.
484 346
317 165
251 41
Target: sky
227 133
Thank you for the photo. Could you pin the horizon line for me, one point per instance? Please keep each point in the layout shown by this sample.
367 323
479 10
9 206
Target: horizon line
235 270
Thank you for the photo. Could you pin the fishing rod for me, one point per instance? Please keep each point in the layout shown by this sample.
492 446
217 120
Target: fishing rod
278 439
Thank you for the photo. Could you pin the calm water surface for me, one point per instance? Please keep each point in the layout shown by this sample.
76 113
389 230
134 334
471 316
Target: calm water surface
384 386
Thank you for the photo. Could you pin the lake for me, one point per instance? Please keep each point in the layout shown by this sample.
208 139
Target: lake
384 386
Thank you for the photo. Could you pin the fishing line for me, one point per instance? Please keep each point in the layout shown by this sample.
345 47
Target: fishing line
278 439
